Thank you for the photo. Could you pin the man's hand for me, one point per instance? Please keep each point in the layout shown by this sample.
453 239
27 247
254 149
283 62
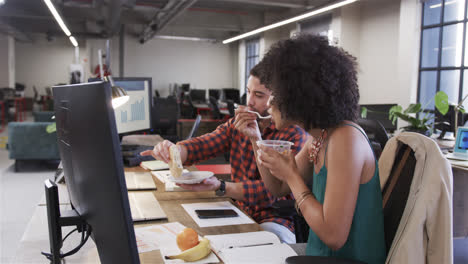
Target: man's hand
160 151
209 184
246 123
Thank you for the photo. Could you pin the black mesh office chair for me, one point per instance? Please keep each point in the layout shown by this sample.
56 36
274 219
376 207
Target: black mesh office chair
216 114
376 133
231 108
187 109
165 113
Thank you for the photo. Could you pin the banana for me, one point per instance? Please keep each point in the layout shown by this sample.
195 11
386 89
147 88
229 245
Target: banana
198 252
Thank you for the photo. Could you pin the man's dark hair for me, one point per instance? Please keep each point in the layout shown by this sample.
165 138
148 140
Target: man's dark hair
256 71
312 82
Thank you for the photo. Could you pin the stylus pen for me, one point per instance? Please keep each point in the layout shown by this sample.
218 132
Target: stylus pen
252 245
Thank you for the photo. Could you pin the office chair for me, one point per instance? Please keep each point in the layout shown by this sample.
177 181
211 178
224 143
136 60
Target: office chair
165 113
231 108
187 109
215 113
376 133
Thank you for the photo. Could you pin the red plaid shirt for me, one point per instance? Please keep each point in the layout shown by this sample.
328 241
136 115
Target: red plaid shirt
257 199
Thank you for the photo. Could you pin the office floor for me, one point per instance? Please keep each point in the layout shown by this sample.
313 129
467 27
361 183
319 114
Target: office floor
20 192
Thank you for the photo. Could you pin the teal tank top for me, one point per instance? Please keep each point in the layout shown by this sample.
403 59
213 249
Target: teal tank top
366 240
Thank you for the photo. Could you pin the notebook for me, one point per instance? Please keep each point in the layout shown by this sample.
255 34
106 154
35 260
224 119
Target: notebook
144 207
250 247
139 181
460 150
154 165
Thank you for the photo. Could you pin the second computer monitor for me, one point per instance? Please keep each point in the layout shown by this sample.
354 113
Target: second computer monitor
135 115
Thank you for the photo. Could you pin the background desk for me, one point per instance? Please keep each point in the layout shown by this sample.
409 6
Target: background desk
36 239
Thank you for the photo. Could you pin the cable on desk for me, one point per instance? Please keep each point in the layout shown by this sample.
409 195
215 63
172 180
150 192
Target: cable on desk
87 229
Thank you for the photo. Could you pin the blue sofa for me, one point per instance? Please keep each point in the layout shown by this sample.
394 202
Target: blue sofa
30 141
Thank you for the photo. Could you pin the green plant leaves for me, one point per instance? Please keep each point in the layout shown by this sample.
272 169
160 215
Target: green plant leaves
441 102
51 128
413 109
364 112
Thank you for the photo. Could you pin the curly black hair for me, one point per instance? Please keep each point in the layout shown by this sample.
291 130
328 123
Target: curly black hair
312 82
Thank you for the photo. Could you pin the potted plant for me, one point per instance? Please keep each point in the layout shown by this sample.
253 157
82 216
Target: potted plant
418 120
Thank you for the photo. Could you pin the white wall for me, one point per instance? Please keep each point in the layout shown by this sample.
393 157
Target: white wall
204 65
43 63
7 61
384 36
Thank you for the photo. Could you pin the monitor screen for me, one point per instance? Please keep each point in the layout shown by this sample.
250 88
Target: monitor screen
379 112
198 95
463 144
446 123
92 163
135 114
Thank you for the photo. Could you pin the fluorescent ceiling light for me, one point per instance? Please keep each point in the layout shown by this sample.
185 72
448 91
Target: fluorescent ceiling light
184 38
2 2
57 17
73 41
290 20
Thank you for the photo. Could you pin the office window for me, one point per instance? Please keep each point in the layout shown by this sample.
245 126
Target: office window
252 56
443 53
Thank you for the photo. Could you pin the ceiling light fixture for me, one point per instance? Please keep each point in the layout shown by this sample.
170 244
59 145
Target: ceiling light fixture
2 2
184 38
60 22
290 20
73 41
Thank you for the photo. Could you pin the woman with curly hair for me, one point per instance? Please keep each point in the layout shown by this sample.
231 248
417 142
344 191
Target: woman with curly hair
335 177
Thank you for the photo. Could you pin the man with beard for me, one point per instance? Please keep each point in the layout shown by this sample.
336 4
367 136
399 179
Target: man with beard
236 136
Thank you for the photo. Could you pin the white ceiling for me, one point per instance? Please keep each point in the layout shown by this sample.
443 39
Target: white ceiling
143 19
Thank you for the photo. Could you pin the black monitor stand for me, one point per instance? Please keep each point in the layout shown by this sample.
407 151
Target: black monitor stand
56 221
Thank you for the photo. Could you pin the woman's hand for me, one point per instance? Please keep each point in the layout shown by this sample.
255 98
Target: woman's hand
209 184
280 165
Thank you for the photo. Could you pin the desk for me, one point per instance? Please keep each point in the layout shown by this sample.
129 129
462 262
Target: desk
36 239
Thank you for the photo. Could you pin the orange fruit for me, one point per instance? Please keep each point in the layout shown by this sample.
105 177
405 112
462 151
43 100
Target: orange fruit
187 239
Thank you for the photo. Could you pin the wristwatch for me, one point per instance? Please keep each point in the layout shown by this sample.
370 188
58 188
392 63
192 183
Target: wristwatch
222 189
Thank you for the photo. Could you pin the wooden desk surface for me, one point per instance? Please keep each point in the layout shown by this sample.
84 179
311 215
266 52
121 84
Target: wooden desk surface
35 238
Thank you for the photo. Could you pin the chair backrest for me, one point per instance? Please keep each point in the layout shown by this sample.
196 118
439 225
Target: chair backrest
396 190
165 114
376 133
230 107
187 108
214 108
195 126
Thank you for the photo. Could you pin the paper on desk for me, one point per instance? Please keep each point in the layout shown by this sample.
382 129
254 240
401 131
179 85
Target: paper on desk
241 219
163 237
170 186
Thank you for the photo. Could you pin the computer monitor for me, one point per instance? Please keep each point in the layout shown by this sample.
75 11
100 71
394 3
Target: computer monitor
135 115
446 123
198 95
216 93
232 94
92 163
379 112
185 87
